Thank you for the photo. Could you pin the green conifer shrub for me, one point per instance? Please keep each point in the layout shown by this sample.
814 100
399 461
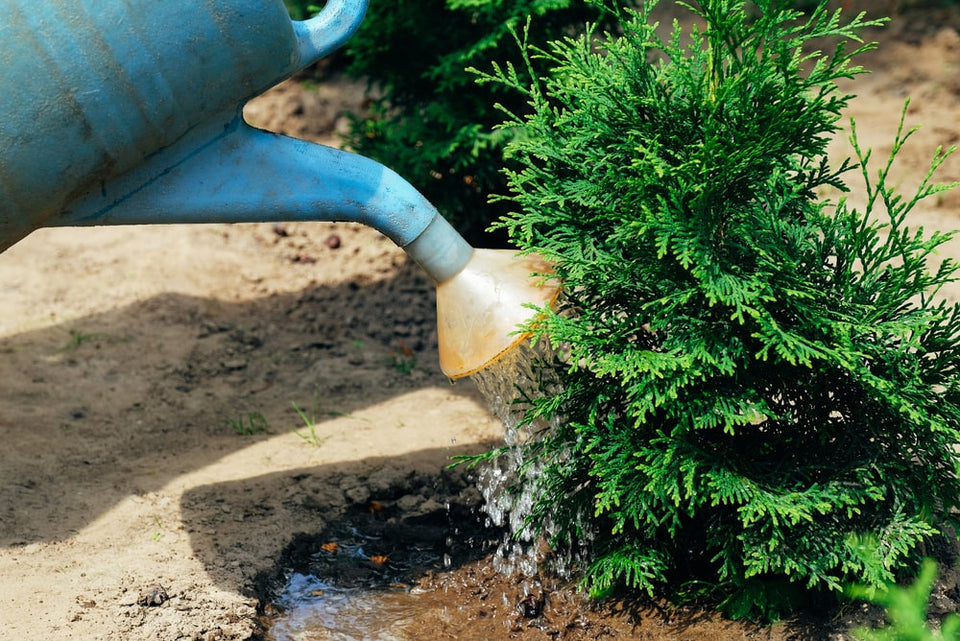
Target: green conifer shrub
753 375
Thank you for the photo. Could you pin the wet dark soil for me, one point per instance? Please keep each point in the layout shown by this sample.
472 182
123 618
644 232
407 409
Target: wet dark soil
424 548
392 539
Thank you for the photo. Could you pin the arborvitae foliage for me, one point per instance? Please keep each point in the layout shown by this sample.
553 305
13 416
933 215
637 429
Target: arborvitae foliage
753 377
434 124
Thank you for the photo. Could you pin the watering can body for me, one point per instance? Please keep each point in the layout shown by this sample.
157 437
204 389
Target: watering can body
93 89
129 111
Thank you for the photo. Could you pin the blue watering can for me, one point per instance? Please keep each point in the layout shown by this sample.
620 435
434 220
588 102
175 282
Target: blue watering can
129 112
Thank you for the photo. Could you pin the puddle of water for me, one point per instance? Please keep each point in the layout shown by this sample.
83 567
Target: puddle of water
465 608
359 578
315 609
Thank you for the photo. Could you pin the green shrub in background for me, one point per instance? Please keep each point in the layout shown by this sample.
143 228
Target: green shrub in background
435 124
301 9
752 377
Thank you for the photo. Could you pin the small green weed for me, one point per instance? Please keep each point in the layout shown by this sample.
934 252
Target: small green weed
248 424
906 610
312 418
310 422
404 364
403 360
78 338
157 533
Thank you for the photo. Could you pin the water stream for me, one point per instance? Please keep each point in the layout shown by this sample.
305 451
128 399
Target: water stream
506 384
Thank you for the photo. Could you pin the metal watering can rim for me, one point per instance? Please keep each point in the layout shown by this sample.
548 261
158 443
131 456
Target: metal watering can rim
189 157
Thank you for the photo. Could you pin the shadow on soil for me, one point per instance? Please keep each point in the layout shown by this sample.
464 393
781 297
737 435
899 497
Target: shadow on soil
121 403
369 523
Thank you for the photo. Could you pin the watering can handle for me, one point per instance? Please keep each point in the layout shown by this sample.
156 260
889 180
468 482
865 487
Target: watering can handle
329 29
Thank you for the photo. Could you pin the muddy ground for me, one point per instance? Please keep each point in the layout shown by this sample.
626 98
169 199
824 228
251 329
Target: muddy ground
156 469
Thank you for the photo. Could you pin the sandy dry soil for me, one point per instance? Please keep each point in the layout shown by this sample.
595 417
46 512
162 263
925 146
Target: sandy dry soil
129 358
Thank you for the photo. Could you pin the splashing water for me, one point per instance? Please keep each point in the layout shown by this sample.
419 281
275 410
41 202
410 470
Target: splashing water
510 494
